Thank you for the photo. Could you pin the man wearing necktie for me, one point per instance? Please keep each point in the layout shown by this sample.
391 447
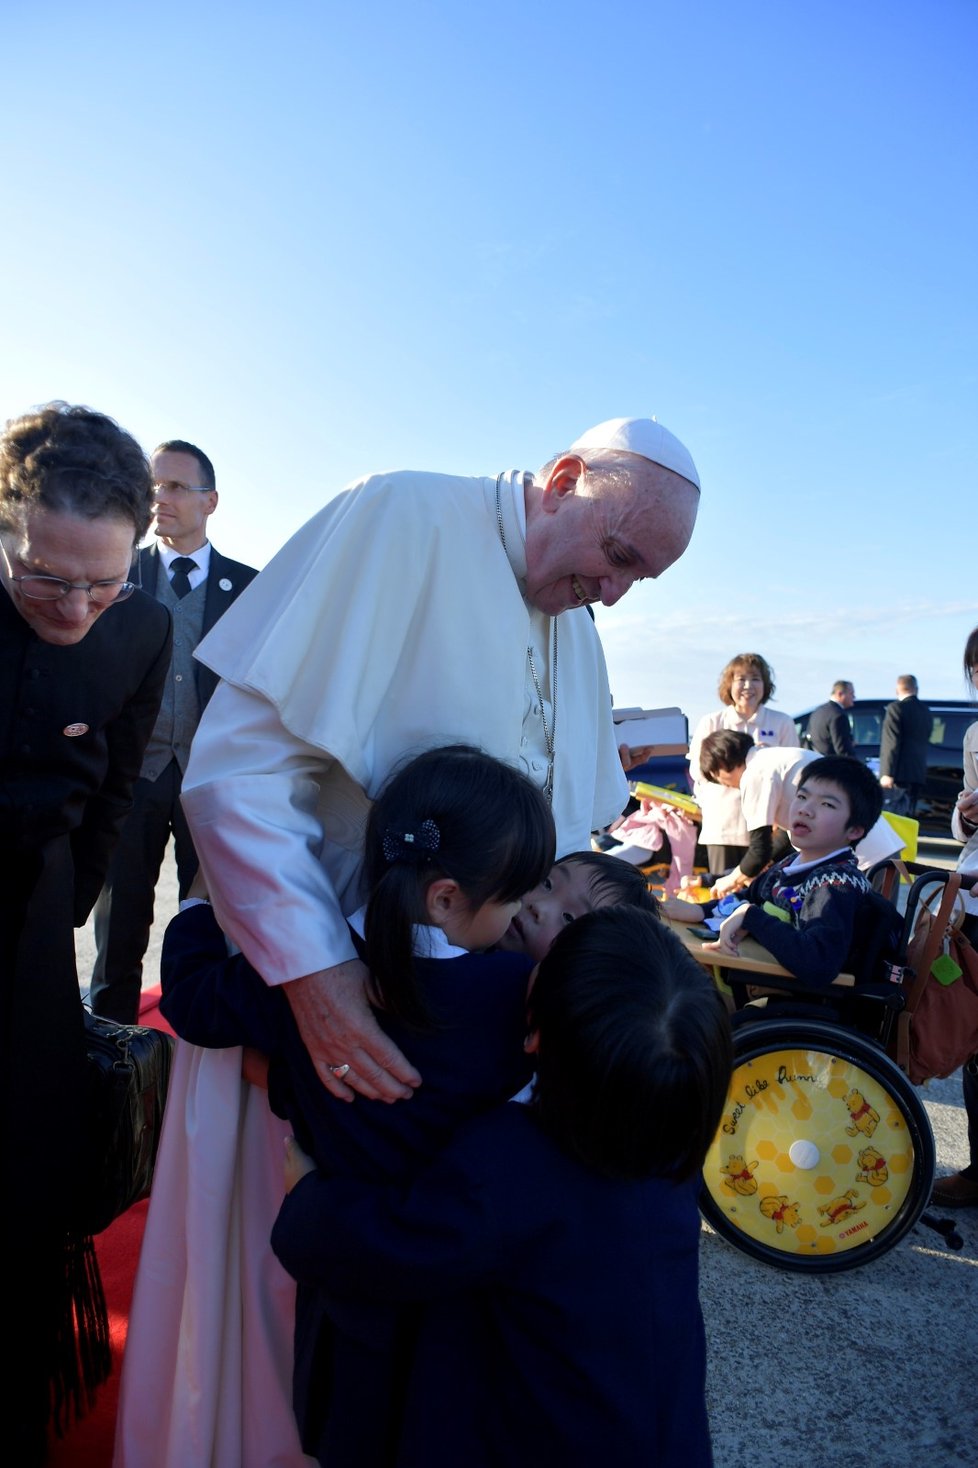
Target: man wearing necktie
197 584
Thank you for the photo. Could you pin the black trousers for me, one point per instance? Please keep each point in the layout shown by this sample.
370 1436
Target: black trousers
43 1101
724 858
124 910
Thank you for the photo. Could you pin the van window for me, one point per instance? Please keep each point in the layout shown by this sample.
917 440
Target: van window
866 725
949 729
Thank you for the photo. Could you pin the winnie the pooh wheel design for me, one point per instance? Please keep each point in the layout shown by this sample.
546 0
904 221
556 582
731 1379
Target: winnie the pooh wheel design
825 1156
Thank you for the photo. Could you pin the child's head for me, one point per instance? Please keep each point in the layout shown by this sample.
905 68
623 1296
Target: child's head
581 882
723 756
455 838
632 1046
837 801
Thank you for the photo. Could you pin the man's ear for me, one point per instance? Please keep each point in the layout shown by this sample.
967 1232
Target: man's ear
562 480
854 834
443 901
532 1042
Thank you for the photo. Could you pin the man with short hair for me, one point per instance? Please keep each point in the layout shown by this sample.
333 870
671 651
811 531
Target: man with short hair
184 572
417 609
829 730
907 725
767 779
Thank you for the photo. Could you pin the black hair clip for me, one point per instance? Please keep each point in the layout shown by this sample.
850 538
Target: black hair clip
411 846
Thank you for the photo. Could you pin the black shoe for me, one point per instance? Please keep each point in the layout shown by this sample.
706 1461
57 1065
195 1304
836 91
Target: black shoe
957 1191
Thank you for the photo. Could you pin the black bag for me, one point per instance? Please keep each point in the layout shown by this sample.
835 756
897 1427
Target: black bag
128 1072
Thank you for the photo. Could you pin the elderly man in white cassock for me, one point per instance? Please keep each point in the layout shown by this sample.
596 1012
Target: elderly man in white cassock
414 610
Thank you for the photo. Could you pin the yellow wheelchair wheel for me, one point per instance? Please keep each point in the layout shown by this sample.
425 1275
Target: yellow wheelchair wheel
824 1157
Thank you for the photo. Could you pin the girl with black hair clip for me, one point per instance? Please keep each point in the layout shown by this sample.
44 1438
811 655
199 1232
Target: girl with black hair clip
553 1245
452 843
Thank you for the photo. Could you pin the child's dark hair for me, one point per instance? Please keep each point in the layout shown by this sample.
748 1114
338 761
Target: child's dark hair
724 749
617 881
856 781
634 1054
452 812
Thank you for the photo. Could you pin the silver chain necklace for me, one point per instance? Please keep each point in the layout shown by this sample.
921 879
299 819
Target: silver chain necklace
549 735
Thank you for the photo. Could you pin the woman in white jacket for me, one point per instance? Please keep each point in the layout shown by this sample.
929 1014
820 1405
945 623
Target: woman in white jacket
746 684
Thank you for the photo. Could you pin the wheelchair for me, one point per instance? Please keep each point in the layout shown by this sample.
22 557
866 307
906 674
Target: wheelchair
825 1157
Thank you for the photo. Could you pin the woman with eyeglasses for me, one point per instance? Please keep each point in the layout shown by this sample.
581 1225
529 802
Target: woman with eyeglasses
82 667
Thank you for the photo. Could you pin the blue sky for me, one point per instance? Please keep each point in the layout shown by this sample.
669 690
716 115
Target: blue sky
322 240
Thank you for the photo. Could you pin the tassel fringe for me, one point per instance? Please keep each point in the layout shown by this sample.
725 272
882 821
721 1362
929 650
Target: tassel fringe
81 1356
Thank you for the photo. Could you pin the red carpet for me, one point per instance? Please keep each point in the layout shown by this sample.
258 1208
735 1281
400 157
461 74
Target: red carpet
88 1444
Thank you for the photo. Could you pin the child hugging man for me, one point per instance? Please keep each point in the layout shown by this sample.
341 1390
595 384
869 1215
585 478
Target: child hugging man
814 910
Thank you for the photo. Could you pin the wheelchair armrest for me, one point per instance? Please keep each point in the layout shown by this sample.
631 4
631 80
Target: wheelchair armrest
891 996
788 985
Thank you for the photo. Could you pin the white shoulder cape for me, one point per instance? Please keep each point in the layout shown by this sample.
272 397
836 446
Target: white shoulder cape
393 622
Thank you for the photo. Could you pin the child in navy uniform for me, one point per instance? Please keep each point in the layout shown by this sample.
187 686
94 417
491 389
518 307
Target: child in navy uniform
452 842
554 1244
815 911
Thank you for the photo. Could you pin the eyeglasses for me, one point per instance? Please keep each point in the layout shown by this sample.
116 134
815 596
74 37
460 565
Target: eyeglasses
53 588
172 487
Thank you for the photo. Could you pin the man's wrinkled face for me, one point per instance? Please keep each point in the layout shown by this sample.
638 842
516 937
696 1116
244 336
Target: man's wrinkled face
600 531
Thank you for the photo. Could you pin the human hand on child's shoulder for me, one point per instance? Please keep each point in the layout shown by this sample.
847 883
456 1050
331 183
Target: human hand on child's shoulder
297 1163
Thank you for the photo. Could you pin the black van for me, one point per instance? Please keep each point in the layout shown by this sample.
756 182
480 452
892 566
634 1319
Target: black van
944 769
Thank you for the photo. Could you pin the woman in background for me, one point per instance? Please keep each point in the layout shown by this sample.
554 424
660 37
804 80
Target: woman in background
746 685
961 1189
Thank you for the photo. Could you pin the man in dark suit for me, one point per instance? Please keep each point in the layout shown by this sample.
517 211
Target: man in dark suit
197 584
903 743
829 730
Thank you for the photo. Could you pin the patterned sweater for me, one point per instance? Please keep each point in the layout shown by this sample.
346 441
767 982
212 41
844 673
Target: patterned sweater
831 920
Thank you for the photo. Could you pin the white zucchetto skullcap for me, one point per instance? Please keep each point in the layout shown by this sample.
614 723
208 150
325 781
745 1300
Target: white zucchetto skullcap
641 436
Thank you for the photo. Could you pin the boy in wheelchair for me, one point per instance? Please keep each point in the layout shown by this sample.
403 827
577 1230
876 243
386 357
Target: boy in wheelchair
814 910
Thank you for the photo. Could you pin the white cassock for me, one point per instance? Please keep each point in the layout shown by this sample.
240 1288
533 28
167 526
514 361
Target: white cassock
392 622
